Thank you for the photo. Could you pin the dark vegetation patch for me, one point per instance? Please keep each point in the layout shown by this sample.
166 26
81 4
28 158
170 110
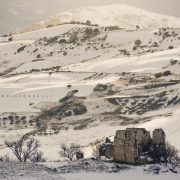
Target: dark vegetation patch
142 104
21 49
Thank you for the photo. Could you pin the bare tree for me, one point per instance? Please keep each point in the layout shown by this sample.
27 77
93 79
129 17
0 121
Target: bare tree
172 155
24 148
38 157
69 151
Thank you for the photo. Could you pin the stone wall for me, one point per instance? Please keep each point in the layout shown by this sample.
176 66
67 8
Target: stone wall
158 137
135 146
129 143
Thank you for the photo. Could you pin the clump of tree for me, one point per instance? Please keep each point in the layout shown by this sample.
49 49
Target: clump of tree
25 149
112 28
171 47
62 41
90 32
69 152
161 74
88 22
173 62
138 42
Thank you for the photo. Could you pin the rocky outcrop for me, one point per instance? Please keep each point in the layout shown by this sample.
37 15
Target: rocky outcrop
102 89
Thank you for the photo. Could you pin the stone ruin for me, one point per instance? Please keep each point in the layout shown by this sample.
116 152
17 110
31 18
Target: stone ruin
135 146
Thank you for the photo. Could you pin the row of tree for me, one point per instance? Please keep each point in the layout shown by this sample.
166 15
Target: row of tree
27 149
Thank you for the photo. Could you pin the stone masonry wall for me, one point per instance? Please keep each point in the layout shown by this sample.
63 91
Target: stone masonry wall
131 143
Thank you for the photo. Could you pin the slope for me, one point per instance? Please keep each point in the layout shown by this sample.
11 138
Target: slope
125 16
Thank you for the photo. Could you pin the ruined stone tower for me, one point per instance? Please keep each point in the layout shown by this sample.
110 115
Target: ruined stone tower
135 146
129 143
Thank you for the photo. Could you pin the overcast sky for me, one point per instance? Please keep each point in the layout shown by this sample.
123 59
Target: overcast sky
18 13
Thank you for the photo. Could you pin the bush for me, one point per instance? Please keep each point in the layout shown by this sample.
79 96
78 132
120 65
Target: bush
10 39
134 48
88 22
137 27
161 74
38 56
171 47
64 53
21 49
173 62
69 151
138 43
89 31
38 157
167 73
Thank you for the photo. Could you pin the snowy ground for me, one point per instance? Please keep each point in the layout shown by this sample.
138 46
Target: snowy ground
124 175
16 93
20 171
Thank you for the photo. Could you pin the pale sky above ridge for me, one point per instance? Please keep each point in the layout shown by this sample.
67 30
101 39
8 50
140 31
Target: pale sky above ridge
18 13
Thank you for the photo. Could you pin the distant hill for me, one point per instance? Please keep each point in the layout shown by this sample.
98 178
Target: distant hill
125 16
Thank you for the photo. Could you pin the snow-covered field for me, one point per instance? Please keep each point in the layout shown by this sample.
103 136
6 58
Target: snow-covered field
21 171
145 63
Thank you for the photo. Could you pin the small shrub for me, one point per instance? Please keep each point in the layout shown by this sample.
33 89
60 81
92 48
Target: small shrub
138 43
21 49
158 75
64 53
10 39
173 62
171 47
38 56
88 22
167 73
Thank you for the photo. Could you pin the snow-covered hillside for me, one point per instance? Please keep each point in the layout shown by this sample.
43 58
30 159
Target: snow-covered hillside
61 48
79 82
124 16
